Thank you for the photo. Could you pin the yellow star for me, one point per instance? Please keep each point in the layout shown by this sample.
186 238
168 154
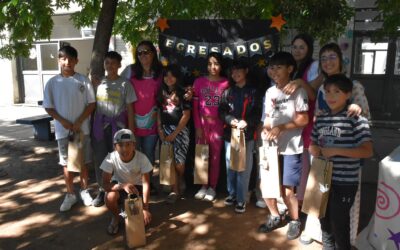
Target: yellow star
277 22
196 73
162 24
261 63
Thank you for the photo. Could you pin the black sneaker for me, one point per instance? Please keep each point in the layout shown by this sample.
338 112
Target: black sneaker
272 223
230 200
294 229
240 207
99 200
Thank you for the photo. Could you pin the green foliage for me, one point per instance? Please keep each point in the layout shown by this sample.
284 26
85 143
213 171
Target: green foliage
26 21
324 20
390 16
30 20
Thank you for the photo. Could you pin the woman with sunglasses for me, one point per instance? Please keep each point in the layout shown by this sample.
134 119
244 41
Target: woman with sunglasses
145 76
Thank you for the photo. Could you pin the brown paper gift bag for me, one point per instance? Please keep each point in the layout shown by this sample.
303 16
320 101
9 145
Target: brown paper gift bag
201 164
75 152
317 190
238 150
167 164
134 221
269 170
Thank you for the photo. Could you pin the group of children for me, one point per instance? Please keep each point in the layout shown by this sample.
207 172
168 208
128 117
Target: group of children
151 104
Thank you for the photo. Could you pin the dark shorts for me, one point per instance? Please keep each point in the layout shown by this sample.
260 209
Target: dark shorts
124 195
291 169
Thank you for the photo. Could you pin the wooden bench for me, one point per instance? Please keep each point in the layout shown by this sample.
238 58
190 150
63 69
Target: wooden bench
41 126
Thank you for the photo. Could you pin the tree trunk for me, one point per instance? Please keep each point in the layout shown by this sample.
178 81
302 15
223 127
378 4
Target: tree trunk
102 39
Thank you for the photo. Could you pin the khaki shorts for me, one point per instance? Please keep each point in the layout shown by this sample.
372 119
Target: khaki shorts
63 151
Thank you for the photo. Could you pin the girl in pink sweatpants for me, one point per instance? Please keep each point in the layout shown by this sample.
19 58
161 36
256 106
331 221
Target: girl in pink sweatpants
207 92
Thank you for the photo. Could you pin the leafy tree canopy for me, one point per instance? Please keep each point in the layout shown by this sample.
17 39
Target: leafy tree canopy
30 20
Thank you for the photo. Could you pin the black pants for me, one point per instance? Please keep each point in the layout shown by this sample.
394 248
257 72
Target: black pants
336 223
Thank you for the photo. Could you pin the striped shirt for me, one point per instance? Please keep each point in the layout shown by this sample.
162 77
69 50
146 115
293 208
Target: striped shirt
340 131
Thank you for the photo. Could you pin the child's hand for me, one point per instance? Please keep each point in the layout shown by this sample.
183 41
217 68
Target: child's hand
188 93
170 138
66 124
353 110
234 123
76 126
241 124
273 134
130 188
314 150
328 152
199 133
292 86
146 216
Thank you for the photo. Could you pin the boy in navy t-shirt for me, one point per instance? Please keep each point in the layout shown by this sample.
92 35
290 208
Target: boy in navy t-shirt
344 141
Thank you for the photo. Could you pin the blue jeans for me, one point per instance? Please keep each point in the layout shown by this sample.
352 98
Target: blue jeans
238 182
147 145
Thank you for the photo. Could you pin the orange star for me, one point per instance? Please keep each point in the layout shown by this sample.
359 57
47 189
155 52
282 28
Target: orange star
196 73
261 63
162 24
277 22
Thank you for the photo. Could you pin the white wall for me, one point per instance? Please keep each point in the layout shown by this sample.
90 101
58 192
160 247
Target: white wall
7 82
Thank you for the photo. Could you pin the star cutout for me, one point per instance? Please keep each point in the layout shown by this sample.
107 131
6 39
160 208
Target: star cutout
395 238
185 70
196 73
164 61
261 63
277 22
162 24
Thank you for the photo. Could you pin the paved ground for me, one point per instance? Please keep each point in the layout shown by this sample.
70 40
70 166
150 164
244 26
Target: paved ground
32 191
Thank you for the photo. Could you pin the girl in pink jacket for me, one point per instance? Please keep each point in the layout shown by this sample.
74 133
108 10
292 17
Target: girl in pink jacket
207 92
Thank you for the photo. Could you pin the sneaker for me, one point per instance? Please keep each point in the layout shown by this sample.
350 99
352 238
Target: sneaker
201 193
69 201
230 200
99 200
272 223
282 209
261 204
171 198
210 194
305 239
86 198
294 229
240 207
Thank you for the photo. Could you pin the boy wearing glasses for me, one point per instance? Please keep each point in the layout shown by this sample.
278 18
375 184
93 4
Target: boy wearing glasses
69 99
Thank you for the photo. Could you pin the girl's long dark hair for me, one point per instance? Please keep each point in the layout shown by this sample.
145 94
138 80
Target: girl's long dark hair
306 62
179 90
156 66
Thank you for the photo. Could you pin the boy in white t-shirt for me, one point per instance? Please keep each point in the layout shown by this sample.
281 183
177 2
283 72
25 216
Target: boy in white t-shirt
69 99
125 170
284 117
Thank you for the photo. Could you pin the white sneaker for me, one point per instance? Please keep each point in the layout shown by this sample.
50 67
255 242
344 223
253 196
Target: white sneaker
86 198
261 204
69 200
201 193
210 194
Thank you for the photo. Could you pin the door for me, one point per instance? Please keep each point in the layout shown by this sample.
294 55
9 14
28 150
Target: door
37 69
377 66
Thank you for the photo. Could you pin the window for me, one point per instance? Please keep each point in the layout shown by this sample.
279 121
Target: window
397 62
30 63
370 57
49 56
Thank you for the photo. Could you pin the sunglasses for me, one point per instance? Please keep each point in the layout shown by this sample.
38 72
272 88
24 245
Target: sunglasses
328 58
144 52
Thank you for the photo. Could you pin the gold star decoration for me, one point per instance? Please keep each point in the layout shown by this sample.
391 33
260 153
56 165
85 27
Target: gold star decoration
162 24
196 73
164 61
277 22
261 62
